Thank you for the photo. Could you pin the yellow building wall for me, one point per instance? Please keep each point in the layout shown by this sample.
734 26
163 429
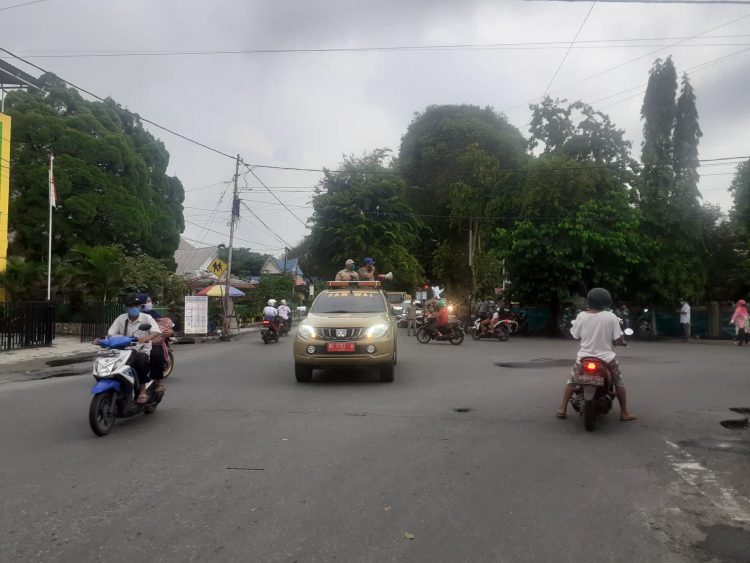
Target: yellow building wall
4 192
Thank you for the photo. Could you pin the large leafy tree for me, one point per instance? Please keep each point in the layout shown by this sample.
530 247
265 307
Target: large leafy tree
687 134
245 262
361 211
575 226
110 172
434 163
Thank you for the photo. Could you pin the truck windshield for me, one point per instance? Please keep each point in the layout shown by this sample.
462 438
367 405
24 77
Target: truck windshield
348 302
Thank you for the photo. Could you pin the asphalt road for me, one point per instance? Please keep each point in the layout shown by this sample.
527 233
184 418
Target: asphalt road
241 463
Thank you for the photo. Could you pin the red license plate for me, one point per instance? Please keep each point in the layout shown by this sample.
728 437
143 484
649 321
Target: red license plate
342 347
597 380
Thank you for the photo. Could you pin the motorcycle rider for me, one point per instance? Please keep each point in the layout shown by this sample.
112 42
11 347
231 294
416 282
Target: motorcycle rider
489 323
128 324
285 312
348 273
270 312
159 350
443 317
598 330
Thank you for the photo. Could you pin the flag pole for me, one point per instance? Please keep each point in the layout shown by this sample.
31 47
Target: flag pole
51 202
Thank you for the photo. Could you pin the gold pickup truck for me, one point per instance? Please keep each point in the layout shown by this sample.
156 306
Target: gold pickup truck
347 327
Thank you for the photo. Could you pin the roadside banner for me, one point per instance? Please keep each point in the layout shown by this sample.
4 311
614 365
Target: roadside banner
196 314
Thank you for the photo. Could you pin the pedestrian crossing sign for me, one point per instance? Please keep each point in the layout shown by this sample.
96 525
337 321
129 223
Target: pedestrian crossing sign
218 267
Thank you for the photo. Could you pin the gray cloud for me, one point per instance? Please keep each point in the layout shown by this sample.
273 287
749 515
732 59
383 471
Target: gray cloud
309 109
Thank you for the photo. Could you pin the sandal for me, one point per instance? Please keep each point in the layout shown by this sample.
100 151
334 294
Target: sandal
628 418
561 414
141 400
160 387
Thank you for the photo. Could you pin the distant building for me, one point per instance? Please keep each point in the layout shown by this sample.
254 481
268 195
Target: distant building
275 266
191 260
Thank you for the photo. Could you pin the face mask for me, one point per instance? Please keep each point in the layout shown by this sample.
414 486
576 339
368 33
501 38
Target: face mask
148 307
134 311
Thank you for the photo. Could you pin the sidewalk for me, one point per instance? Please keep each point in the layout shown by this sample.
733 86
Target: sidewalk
69 356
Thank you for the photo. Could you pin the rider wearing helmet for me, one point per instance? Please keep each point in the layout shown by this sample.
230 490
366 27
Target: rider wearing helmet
285 312
270 312
443 317
598 330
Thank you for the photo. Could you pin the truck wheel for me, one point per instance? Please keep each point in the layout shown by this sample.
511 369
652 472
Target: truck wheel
387 373
303 373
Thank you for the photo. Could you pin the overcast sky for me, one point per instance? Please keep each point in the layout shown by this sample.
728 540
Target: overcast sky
307 109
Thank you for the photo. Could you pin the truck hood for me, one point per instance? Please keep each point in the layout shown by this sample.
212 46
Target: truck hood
340 320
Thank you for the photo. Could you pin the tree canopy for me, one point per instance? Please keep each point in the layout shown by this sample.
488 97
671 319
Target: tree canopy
110 175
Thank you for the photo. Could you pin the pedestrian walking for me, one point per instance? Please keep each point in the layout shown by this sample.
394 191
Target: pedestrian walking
411 319
685 319
740 320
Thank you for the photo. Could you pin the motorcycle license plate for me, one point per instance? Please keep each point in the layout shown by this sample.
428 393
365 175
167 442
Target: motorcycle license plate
597 380
342 347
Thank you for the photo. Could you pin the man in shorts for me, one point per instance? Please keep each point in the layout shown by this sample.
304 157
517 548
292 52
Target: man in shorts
599 331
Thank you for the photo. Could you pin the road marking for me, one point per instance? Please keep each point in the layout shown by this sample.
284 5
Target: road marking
706 483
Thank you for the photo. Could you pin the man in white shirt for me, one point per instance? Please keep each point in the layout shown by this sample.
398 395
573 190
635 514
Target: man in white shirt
128 324
598 330
685 318
270 312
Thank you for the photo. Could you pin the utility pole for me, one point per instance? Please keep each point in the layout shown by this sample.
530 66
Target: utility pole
285 266
234 216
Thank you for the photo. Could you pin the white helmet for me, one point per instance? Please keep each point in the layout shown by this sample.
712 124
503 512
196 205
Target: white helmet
283 301
272 302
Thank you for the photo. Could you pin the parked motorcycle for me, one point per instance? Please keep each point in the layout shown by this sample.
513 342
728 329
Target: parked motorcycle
593 389
499 330
429 331
117 385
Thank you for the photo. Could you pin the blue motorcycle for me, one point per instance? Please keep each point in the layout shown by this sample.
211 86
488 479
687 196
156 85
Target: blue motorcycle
117 385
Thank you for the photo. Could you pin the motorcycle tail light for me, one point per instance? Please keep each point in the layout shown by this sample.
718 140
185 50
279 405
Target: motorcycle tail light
590 367
266 323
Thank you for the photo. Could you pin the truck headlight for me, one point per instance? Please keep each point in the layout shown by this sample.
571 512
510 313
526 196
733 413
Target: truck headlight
376 331
306 331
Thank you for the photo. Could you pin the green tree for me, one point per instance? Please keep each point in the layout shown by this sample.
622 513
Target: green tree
23 280
110 175
245 262
145 274
657 151
432 161
362 212
687 134
740 190
97 271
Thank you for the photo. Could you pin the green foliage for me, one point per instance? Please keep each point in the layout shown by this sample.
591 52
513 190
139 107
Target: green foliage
24 280
142 273
687 134
363 212
97 271
741 198
110 176
245 262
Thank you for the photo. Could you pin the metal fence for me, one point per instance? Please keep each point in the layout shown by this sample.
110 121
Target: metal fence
26 325
97 318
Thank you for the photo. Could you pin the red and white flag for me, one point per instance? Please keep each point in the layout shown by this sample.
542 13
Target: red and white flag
52 188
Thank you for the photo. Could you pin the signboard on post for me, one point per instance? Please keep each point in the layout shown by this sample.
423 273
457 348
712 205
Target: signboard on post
4 192
312 291
196 314
218 267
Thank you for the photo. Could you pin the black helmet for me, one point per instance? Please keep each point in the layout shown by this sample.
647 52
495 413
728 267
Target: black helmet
134 299
599 298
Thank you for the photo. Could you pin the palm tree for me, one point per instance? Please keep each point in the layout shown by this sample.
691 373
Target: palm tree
97 270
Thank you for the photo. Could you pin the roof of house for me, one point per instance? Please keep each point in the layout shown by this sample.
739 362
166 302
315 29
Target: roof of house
292 265
190 259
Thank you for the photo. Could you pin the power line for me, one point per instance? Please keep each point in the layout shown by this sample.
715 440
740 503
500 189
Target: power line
135 115
22 4
277 198
649 54
522 45
567 52
226 235
269 229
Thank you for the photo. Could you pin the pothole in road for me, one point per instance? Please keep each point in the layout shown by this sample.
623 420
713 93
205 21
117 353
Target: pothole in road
729 446
727 542
463 409
736 424
741 410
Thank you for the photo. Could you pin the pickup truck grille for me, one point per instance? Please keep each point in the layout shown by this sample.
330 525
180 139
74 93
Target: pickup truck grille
343 334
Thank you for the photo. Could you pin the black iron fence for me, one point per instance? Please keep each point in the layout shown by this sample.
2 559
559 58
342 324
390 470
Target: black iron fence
96 318
26 325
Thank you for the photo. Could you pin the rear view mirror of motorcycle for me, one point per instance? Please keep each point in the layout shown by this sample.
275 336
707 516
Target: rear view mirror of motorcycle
144 326
629 332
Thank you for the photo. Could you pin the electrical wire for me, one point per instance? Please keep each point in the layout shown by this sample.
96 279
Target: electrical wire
227 235
135 115
277 198
22 4
269 229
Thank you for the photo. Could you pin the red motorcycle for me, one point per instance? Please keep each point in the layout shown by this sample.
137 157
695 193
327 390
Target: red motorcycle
272 330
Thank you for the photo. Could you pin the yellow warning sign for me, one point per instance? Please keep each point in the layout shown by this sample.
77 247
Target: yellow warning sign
218 267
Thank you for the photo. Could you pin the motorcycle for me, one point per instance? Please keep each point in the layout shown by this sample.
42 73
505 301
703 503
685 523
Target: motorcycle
271 330
593 389
168 358
117 385
643 326
499 330
428 331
